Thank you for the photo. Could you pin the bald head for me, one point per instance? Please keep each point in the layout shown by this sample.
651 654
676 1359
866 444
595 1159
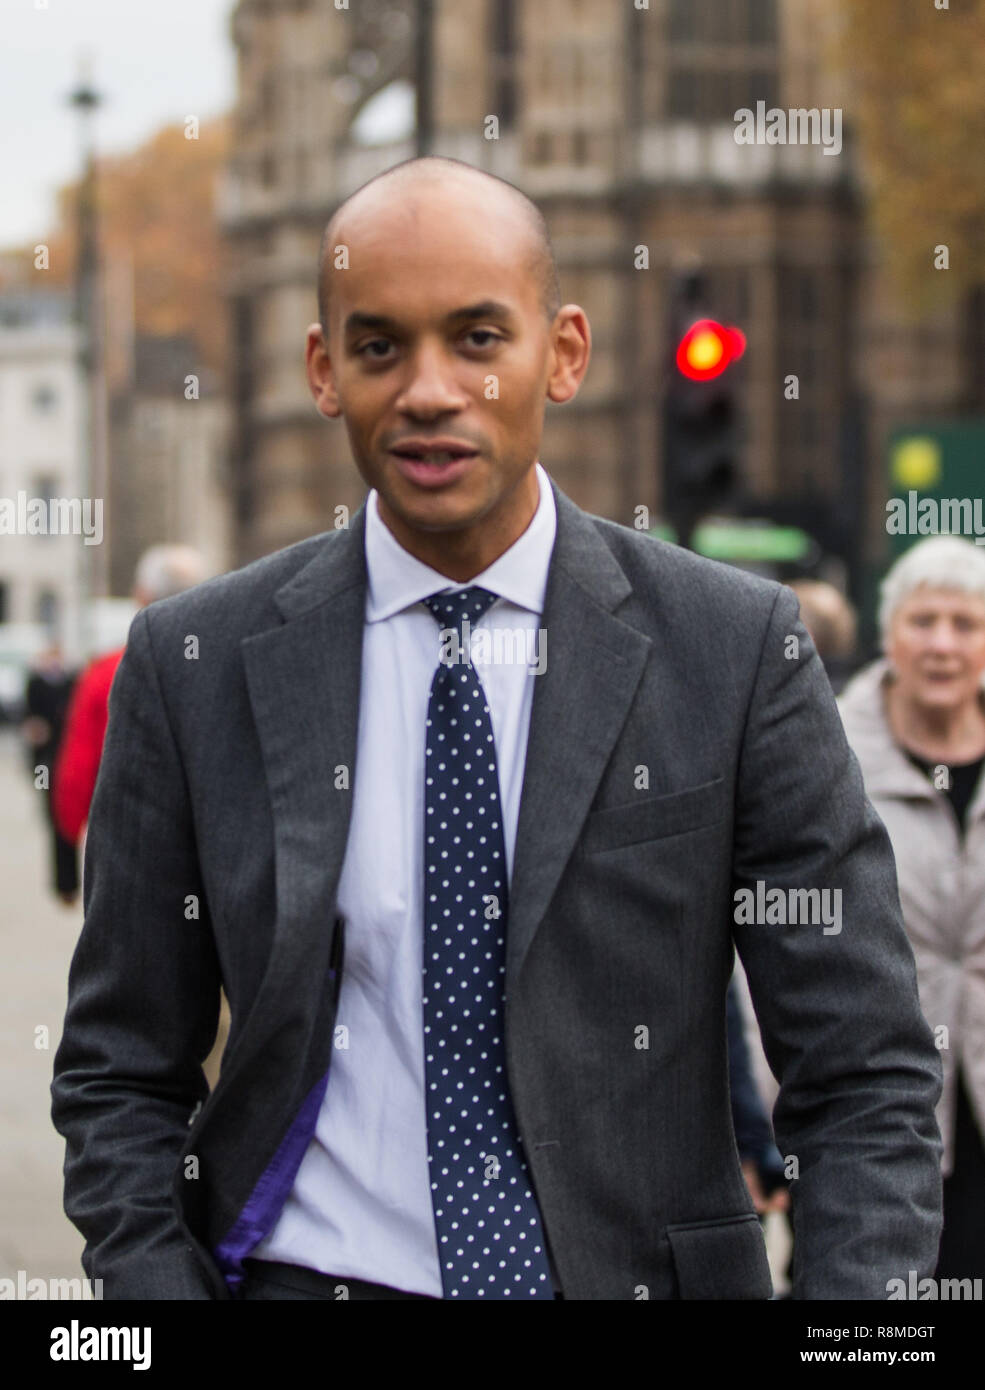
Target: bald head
418 175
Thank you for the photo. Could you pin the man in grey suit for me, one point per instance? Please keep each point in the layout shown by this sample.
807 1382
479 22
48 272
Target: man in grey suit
475 918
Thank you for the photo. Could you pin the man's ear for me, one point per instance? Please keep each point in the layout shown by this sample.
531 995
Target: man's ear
570 351
321 376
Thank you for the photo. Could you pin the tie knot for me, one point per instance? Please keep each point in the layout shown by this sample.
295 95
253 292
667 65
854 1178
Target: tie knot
450 609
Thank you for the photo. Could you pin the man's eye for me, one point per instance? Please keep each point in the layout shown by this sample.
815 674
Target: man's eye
374 342
484 333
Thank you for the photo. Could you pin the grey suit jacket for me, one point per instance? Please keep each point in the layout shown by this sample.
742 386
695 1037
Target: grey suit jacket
679 750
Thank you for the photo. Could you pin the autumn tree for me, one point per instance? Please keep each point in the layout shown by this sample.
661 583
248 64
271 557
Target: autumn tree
156 217
916 70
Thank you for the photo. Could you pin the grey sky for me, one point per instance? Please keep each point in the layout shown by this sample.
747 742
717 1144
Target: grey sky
154 64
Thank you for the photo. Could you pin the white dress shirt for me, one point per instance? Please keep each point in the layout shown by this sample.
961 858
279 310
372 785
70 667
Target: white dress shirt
361 1201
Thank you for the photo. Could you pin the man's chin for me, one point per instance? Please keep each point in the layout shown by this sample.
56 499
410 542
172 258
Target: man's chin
433 511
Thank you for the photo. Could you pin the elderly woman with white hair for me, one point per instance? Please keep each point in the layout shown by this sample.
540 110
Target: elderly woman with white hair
916 721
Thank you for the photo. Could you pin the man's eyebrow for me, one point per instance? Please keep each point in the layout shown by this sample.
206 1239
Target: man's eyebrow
360 320
485 309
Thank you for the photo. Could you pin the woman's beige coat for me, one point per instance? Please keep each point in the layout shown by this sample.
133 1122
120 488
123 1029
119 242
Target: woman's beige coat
942 891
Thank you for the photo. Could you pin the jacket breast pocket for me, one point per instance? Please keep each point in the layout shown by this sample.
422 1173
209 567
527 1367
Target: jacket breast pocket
652 817
721 1259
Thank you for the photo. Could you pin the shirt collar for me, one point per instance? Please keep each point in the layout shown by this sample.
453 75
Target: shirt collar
397 579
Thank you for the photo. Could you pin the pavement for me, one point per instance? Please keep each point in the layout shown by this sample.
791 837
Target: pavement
37 938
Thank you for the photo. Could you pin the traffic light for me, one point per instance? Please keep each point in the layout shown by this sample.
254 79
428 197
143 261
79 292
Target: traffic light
701 412
707 348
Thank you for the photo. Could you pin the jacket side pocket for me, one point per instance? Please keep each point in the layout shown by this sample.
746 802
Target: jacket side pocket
721 1259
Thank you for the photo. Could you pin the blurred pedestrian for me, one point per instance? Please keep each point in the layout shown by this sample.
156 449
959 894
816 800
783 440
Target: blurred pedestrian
916 720
833 625
49 688
161 571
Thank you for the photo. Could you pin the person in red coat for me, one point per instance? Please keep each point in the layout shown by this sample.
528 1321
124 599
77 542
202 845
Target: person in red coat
78 759
161 571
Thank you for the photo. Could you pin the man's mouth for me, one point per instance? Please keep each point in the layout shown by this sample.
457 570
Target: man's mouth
434 456
442 464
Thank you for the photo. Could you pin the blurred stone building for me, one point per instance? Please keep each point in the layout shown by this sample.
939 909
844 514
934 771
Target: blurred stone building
169 451
619 122
41 410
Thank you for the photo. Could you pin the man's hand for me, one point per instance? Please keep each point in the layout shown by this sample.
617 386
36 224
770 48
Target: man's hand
779 1200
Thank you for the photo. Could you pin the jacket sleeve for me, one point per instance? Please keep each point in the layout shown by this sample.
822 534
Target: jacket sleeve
143 1003
837 999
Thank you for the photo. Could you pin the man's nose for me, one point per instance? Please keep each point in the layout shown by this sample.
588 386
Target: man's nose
431 388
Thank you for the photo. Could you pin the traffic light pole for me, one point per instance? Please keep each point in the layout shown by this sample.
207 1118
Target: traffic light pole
700 412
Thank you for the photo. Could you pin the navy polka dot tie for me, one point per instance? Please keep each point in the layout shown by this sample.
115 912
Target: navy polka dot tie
490 1241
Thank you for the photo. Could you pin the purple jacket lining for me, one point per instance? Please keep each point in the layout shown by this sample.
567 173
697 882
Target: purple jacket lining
264 1203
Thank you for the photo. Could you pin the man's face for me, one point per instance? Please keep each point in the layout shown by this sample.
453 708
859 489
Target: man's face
937 644
440 358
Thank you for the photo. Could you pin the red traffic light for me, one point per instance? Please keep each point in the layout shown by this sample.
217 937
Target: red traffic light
707 348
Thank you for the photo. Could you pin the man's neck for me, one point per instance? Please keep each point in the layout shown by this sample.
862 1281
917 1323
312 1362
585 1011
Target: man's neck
461 555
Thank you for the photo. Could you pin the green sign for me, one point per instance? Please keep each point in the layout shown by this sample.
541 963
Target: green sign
738 542
936 482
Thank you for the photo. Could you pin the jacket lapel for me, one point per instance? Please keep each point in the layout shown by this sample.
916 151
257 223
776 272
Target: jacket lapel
303 678
888 771
593 667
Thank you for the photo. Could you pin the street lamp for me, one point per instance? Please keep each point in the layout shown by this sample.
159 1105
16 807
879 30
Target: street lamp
91 568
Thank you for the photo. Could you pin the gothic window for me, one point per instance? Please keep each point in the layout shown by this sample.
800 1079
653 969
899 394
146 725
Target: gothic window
806 434
503 47
716 59
683 20
762 21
